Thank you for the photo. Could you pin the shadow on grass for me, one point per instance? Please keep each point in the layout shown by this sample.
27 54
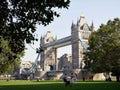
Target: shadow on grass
60 86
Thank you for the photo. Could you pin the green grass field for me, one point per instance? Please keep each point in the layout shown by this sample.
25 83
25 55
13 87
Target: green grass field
57 85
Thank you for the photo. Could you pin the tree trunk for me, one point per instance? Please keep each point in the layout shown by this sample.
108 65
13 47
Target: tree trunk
118 77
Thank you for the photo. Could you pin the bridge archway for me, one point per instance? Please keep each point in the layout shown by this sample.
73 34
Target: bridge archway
51 67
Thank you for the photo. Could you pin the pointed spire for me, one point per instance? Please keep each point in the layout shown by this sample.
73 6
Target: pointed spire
72 22
92 26
92 23
41 37
78 22
72 25
56 37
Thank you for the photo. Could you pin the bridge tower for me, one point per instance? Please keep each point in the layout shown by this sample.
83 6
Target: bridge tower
81 31
49 56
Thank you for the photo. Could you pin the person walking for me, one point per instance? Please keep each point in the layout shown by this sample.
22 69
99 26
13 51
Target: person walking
73 78
66 80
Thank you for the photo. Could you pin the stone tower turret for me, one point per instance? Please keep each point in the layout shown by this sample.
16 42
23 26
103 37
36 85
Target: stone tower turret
81 30
49 55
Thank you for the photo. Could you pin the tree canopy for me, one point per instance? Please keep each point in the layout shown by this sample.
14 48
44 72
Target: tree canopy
104 48
18 19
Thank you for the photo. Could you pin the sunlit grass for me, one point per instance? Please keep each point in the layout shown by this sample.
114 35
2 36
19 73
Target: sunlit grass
57 85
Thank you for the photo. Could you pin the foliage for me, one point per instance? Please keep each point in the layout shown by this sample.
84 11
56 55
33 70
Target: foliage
7 57
18 19
104 48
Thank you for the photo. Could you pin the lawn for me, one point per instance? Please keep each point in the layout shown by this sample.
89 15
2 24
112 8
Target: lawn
57 85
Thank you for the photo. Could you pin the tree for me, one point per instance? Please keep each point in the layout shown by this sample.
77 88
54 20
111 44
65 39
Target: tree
19 18
7 58
104 48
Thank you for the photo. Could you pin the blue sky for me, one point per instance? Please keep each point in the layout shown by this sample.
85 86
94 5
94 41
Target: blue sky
98 11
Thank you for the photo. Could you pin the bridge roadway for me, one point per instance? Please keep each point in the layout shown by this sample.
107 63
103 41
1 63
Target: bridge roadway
64 42
59 43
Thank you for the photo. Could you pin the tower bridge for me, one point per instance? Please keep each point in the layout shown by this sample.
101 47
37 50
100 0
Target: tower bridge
78 40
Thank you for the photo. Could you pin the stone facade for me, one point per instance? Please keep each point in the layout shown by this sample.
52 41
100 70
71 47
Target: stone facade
65 62
82 31
49 56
